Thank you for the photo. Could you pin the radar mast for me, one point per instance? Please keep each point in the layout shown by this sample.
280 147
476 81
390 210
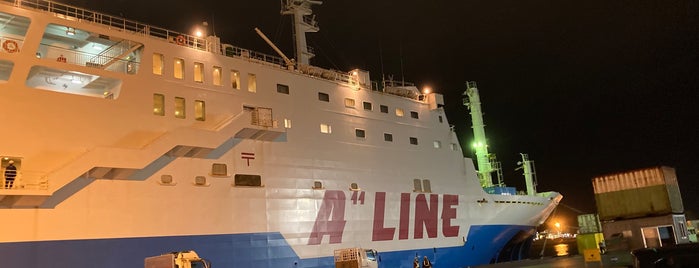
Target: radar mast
304 22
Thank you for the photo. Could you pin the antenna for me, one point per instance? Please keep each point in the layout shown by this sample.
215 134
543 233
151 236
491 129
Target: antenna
402 76
381 59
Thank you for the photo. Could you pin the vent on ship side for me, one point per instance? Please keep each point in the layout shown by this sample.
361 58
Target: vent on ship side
219 169
247 180
417 186
166 180
200 181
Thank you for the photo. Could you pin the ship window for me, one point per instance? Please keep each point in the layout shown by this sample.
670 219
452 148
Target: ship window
157 63
413 114
367 106
5 69
413 140
384 109
325 128
417 186
354 187
287 123
441 120
252 83
437 144
349 103
217 76
247 180
199 72
360 133
453 146
323 97
199 110
426 186
317 185
179 107
388 137
235 79
159 104
284 89
179 68
219 169
399 112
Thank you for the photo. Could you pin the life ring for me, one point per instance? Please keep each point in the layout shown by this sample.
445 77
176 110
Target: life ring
180 40
10 46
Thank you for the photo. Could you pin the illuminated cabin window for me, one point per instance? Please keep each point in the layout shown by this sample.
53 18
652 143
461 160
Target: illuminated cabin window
216 74
159 104
199 72
441 120
384 109
323 97
388 137
437 144
179 68
349 103
413 140
199 110
284 89
179 107
157 63
235 79
367 106
325 128
426 186
399 112
414 114
360 133
417 186
287 123
252 83
5 69
219 169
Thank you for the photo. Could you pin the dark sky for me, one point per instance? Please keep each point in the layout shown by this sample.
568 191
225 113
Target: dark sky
586 88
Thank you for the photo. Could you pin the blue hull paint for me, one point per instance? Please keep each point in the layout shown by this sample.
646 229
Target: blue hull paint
239 250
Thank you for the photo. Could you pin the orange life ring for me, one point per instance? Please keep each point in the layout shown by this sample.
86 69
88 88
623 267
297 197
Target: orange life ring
10 46
180 40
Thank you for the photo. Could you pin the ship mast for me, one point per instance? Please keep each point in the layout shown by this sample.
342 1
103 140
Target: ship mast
473 103
304 22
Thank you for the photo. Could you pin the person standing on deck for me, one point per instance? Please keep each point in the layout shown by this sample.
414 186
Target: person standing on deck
10 174
426 262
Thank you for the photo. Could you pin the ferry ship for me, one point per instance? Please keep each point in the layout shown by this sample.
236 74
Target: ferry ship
131 140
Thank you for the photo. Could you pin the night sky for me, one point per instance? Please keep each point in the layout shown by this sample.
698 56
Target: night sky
586 88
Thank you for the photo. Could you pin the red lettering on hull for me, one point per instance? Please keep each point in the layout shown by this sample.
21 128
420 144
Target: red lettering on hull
381 233
426 215
330 220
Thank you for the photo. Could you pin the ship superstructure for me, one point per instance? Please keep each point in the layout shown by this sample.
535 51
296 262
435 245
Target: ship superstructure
131 140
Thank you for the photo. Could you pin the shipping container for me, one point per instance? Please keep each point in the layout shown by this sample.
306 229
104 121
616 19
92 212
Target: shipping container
589 241
589 223
639 193
648 232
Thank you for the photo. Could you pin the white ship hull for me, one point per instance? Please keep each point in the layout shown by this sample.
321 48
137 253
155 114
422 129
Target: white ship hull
106 180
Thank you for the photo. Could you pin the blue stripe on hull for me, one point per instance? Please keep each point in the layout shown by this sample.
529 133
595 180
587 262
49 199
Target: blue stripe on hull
238 250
